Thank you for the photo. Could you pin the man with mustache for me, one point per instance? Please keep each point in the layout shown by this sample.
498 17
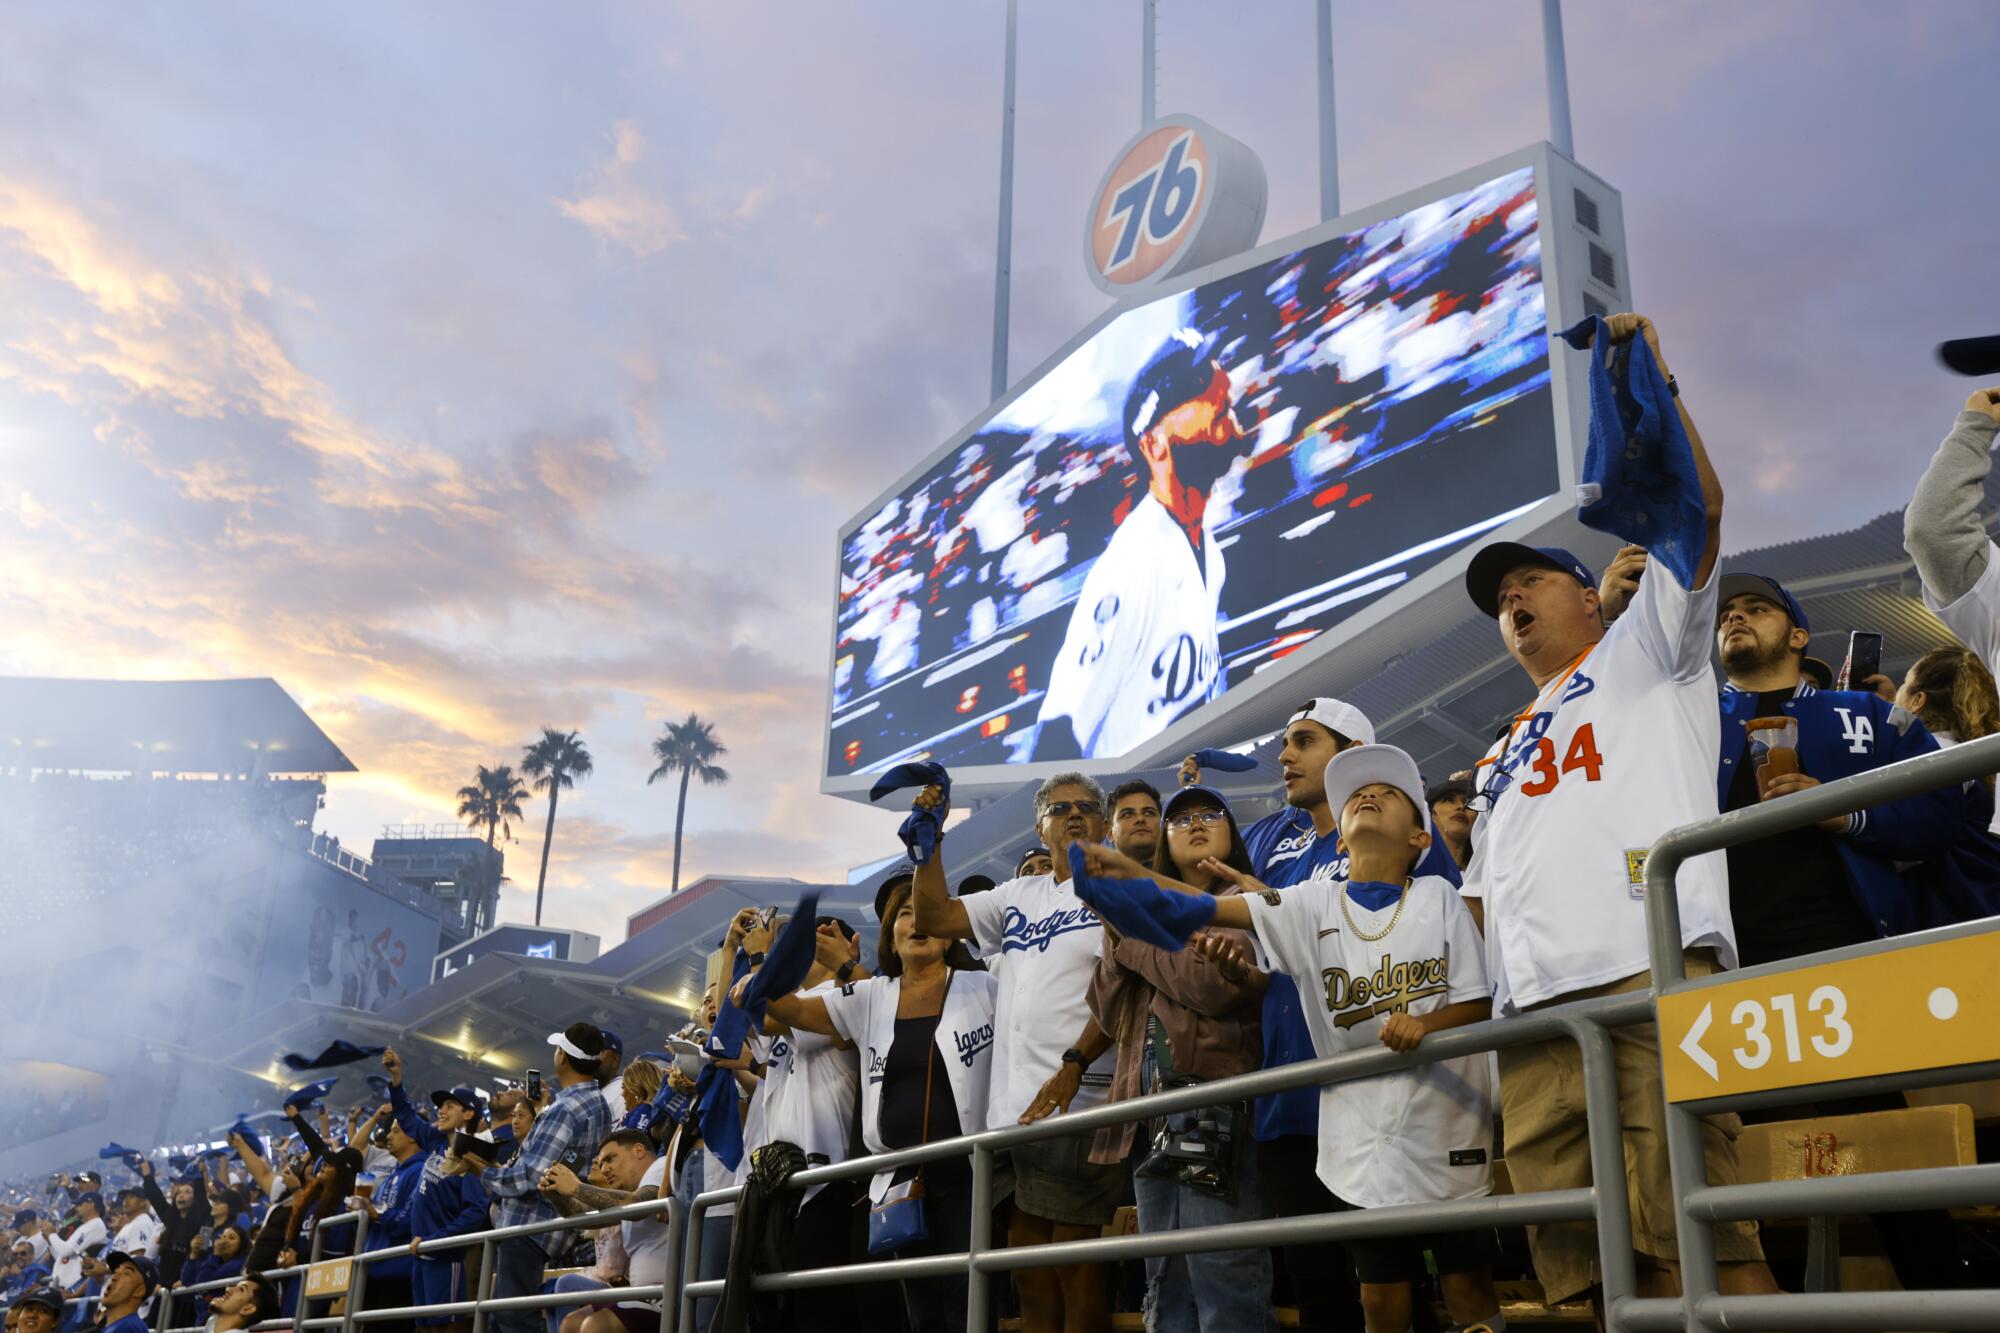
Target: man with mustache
1142 648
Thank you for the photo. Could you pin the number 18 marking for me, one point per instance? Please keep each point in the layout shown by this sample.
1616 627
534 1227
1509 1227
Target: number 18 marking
1141 210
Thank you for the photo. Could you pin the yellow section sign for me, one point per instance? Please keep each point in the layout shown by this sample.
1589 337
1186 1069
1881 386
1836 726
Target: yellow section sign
327 1278
1926 1006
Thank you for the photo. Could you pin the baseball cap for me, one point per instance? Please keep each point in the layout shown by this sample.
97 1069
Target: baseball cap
116 1259
1437 791
1337 716
612 1041
901 873
46 1297
1021 866
1355 768
93 1198
1759 585
1180 372
1820 672
464 1096
1186 796
975 884
1493 563
579 1041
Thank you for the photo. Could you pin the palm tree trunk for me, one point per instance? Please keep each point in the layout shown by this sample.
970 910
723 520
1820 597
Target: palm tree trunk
548 837
680 817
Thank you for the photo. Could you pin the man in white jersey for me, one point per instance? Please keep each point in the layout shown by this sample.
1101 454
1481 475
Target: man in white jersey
1041 945
1141 648
1619 745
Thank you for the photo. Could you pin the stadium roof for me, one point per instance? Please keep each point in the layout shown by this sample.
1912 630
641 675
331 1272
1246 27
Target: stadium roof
178 726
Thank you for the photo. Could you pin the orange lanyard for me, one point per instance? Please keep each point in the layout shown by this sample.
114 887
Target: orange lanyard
1557 685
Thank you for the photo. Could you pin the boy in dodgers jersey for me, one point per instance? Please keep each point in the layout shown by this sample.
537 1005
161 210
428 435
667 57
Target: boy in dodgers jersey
1619 746
1142 645
1387 957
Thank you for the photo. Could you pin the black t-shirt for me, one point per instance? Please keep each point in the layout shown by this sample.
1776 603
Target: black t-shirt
1788 894
902 1113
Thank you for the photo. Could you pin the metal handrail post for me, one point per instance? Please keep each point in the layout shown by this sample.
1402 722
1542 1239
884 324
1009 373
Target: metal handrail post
1606 1127
357 1275
676 1238
981 1239
1703 1307
691 1260
482 1290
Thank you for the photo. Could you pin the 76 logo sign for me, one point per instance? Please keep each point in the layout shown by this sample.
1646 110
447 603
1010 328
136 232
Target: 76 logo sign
1155 205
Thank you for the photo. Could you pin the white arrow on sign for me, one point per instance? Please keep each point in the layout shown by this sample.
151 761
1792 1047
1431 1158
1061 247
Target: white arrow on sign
1691 1043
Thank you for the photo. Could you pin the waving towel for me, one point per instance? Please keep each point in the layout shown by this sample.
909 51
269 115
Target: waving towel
919 832
338 1052
1224 761
1140 907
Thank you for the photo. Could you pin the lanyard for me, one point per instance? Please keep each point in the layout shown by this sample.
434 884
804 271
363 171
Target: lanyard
1557 685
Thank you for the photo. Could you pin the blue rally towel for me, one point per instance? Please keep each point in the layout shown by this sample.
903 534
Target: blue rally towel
338 1052
788 960
715 1091
250 1139
309 1094
1224 761
921 830
116 1151
1639 481
379 1085
1140 908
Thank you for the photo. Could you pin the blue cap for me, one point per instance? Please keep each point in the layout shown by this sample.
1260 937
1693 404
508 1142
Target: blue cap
47 1297
117 1259
93 1198
1760 585
612 1041
465 1097
1495 562
1186 795
1180 372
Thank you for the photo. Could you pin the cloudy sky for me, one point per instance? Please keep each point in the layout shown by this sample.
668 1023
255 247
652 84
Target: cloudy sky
474 367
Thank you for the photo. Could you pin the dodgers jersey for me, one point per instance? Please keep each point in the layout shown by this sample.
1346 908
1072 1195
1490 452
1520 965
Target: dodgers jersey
1040 943
809 1092
1141 648
1412 1137
1285 849
1612 754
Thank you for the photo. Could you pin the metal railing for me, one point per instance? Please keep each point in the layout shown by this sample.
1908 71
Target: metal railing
1700 1309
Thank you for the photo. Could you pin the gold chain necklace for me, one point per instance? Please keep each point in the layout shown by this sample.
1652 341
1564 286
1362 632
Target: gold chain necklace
1401 898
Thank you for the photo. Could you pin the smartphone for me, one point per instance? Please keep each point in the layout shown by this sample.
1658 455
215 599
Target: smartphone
1864 659
534 1085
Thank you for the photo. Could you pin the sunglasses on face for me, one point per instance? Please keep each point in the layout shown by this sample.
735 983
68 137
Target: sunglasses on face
1187 819
1062 809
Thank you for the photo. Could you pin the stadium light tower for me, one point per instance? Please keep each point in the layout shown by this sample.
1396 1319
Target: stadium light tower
1329 151
1149 21
1556 66
1003 261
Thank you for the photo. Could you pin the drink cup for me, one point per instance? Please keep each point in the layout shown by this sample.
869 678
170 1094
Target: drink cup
1774 748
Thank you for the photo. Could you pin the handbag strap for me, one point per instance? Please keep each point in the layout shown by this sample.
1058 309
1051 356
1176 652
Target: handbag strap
930 1061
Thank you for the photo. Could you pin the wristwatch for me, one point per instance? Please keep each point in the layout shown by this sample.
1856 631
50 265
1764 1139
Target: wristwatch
1073 1056
845 972
757 960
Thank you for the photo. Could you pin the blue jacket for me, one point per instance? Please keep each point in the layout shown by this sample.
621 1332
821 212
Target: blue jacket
449 1206
1841 733
1962 882
395 1194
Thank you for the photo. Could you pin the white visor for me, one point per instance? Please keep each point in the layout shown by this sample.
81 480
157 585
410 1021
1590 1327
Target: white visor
563 1044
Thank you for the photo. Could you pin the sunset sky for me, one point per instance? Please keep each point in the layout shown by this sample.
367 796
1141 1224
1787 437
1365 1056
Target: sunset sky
470 368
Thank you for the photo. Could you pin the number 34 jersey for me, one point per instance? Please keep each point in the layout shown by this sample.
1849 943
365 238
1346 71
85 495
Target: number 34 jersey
1616 751
1142 643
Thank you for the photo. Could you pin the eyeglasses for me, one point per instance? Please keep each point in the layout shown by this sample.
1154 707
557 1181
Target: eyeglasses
1061 809
1189 818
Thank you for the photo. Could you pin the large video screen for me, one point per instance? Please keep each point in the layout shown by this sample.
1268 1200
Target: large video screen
1203 487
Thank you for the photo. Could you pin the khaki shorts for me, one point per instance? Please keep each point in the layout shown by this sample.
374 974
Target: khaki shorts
1548 1145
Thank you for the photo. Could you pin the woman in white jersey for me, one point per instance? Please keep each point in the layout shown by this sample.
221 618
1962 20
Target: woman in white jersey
925 1029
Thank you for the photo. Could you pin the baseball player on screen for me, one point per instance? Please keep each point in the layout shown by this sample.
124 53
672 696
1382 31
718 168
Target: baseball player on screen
1141 648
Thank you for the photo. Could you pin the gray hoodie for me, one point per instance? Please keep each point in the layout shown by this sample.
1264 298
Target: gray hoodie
1943 529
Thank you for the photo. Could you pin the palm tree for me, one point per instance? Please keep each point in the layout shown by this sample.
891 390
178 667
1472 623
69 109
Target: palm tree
492 801
690 749
554 762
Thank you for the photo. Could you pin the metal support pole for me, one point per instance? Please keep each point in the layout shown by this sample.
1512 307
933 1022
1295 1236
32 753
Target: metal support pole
482 1291
357 1275
1556 66
1149 53
1607 1163
691 1258
982 1237
1003 262
1329 148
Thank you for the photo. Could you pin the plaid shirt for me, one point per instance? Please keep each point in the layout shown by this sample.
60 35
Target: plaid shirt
570 1131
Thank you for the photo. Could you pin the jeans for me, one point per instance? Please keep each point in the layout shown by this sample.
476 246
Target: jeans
1227 1291
570 1282
517 1271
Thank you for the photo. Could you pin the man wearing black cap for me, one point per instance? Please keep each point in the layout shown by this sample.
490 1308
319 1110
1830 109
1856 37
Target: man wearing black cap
1142 644
1618 746
130 1284
1035 861
41 1311
86 1237
567 1131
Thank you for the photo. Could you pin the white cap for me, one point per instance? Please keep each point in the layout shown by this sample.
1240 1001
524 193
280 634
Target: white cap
1357 767
1338 716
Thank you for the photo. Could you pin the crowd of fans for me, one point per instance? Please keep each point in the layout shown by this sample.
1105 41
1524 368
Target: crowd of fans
1150 942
